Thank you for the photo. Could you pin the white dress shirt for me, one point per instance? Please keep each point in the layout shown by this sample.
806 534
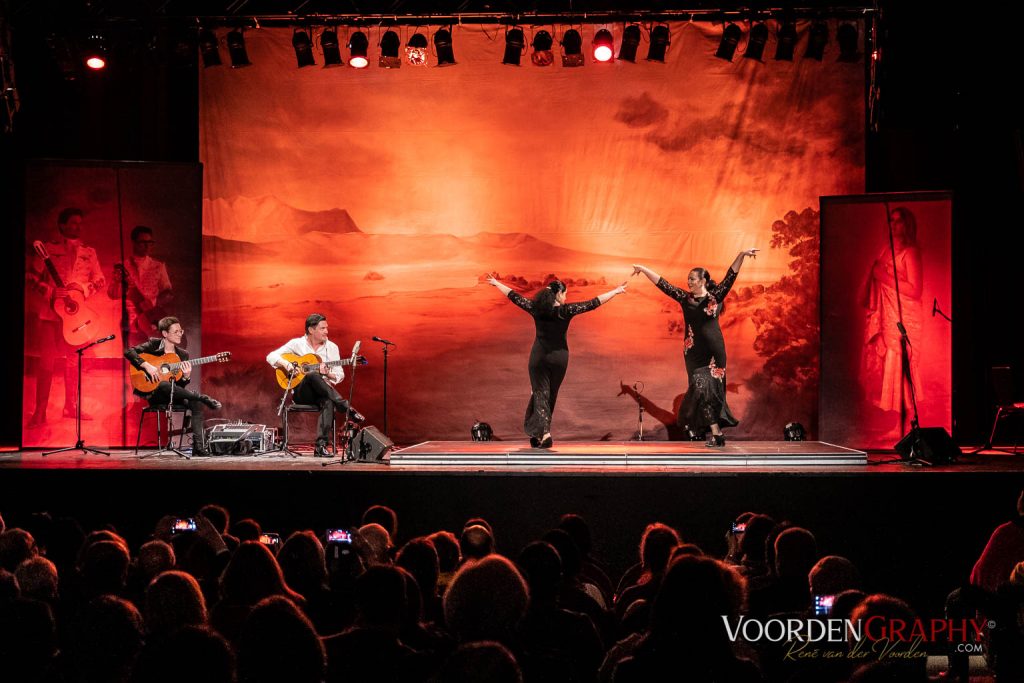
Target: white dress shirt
300 346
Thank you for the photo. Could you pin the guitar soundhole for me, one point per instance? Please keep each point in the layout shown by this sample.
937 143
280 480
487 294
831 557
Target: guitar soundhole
165 369
71 306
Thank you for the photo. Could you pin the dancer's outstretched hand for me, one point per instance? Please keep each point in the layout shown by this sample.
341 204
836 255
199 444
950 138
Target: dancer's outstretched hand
752 253
491 281
621 289
637 270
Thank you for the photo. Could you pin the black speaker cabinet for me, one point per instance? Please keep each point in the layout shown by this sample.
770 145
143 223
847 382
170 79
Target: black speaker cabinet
370 445
930 445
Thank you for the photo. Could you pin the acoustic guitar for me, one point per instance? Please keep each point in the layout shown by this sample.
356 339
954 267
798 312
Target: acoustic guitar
168 369
307 364
78 321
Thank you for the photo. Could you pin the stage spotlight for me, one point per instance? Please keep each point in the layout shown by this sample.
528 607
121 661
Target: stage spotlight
817 41
482 431
389 45
303 48
358 44
416 50
236 50
659 44
794 431
630 42
514 42
542 55
730 39
572 48
208 48
95 52
756 41
604 46
786 42
847 37
443 47
329 44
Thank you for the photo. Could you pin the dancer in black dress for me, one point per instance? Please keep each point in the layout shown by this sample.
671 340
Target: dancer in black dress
704 406
549 357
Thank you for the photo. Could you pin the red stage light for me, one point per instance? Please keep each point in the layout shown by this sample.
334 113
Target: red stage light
603 43
358 62
96 62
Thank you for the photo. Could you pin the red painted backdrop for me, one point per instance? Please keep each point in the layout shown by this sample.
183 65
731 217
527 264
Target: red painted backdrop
381 197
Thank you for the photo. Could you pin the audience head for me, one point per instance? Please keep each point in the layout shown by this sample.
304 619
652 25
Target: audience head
686 550
303 562
568 553
476 542
278 643
16 546
210 658
28 639
795 552
107 638
480 521
447 547
173 600
832 575
694 595
380 595
542 568
253 574
218 516
247 530
754 537
37 579
9 588
419 558
154 558
486 601
378 541
656 546
104 568
383 515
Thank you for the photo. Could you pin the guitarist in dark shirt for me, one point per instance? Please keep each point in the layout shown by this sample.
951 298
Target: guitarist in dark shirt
171 332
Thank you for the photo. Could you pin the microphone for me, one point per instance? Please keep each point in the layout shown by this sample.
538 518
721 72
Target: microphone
935 306
355 350
383 341
105 339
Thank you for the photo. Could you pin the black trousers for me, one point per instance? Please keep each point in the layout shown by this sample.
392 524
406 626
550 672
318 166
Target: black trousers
547 370
315 391
182 396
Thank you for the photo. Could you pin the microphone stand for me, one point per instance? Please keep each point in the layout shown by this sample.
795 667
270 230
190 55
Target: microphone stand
904 347
638 387
280 412
349 454
79 442
385 344
170 424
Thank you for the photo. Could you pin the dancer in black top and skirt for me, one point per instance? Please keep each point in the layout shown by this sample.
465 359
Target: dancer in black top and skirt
704 406
549 357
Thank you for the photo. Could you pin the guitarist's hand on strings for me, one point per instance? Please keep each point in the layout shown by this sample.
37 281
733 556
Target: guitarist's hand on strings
186 369
323 368
151 372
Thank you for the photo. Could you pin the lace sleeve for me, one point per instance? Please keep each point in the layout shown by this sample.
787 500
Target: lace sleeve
574 309
521 301
673 291
723 287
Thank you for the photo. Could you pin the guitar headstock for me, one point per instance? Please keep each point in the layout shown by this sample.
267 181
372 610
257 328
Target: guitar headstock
41 249
223 356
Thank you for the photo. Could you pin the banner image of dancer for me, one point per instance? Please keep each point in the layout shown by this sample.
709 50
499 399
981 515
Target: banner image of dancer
886 261
112 248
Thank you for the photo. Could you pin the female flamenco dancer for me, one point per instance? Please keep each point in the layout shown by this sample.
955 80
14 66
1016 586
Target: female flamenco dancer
550 354
704 406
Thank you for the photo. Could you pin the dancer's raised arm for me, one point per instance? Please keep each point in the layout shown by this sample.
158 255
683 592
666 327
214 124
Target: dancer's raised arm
516 298
651 275
752 253
612 293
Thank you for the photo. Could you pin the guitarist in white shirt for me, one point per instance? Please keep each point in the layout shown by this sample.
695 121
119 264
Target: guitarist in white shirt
317 388
79 269
170 336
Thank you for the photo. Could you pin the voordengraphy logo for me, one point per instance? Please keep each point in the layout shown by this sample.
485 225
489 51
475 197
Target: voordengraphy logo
844 630
883 638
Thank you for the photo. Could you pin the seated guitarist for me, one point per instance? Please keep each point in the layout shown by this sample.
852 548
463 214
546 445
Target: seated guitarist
171 332
317 388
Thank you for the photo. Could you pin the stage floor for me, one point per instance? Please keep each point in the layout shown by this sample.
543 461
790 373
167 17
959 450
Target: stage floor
515 457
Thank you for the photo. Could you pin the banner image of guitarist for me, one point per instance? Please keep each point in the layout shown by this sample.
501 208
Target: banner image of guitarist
317 388
80 276
149 292
171 333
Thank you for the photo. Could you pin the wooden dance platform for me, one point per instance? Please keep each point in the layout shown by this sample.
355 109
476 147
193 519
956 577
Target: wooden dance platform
628 454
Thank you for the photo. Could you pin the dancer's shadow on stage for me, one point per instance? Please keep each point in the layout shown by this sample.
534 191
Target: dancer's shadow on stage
667 418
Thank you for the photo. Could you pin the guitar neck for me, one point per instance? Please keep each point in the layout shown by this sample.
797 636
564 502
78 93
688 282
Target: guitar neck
52 270
196 361
310 367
